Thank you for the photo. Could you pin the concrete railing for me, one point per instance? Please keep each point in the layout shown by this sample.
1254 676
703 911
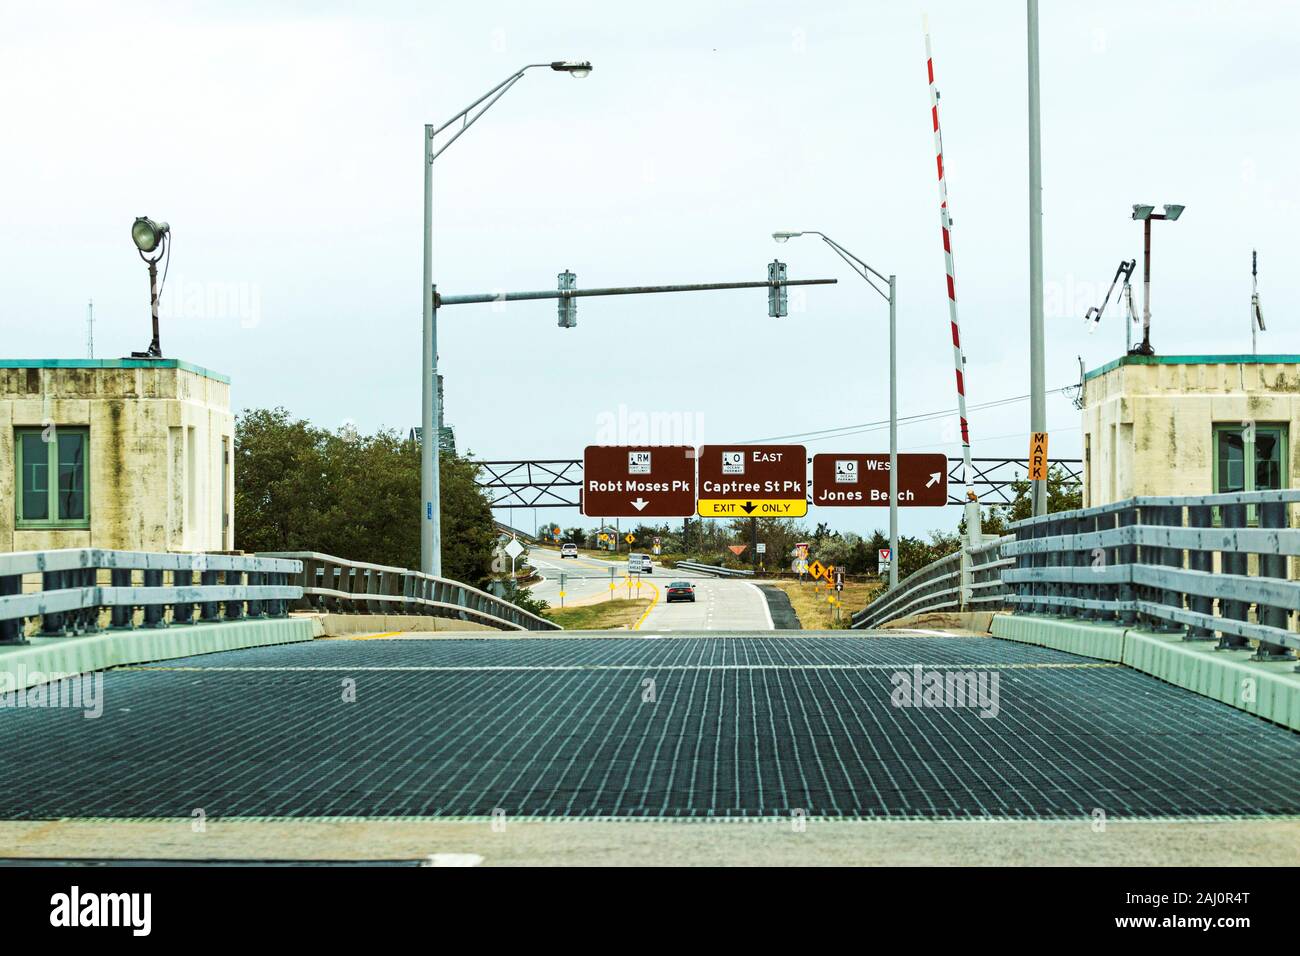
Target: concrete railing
334 584
1205 566
696 568
68 591
966 580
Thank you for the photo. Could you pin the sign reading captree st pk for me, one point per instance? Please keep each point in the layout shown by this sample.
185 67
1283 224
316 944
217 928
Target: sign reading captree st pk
858 480
753 481
635 481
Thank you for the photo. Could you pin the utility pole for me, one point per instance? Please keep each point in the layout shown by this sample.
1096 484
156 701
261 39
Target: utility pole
1037 376
893 431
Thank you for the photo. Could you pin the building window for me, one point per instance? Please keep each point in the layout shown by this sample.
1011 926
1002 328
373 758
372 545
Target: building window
52 477
1241 464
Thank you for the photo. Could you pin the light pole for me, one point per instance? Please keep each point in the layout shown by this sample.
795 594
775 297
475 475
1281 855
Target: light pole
864 270
152 237
1146 214
1037 373
431 519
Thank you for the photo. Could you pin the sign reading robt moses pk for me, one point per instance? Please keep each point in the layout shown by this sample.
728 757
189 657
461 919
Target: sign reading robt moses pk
638 481
753 481
857 480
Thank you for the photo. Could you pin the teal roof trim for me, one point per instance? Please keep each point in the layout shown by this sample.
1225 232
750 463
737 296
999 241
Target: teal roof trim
1193 360
116 363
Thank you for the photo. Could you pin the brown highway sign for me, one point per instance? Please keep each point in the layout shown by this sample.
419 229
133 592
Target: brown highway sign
638 481
753 481
858 480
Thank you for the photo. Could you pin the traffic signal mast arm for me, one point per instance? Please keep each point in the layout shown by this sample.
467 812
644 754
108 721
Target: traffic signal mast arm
443 300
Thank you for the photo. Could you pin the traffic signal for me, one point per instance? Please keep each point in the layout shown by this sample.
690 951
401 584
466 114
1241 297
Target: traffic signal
776 294
568 308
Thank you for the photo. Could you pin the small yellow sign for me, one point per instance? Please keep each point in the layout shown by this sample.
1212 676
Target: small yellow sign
752 508
629 537
816 570
1038 456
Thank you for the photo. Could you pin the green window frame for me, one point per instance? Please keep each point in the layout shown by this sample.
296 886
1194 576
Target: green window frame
61 454
1243 465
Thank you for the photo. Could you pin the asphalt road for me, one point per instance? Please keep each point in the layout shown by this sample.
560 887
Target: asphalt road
720 604
584 578
743 726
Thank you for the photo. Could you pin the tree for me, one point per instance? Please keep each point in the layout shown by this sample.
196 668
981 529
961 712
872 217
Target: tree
1060 497
303 488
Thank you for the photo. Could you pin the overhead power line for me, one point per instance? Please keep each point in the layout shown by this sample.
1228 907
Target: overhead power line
845 430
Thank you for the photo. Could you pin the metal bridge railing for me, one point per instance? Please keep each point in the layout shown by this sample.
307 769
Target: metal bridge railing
335 584
77 591
717 571
966 580
1209 565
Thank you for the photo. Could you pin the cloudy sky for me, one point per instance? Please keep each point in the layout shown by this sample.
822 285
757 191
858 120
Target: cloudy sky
282 142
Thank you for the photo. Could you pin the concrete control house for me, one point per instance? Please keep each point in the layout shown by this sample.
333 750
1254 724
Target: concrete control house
1190 425
131 454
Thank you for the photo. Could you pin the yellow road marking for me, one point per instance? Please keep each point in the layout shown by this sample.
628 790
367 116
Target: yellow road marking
637 625
375 637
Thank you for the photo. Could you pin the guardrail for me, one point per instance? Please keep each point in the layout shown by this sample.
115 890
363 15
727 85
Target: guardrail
968 579
335 584
713 569
72 597
1196 565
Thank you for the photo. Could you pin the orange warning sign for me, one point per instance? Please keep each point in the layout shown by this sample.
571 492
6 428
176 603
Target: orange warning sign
1038 456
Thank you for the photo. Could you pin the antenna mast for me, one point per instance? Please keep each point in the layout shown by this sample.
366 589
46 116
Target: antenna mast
1256 314
90 329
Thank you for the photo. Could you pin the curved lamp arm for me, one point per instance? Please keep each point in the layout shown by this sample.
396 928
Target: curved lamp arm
856 264
470 114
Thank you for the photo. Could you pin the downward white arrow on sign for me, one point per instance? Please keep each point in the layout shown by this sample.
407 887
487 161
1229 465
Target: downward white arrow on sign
934 479
639 504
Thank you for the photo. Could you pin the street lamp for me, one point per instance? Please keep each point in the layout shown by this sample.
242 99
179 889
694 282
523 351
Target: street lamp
1146 214
864 270
431 518
149 237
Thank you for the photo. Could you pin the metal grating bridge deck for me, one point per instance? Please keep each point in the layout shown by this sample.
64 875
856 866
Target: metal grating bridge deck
709 727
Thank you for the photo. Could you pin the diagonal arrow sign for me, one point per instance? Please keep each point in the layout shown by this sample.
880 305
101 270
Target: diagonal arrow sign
934 479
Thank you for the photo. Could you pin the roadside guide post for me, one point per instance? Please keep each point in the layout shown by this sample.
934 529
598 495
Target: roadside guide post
839 593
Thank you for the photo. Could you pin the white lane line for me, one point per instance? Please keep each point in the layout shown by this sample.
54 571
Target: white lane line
767 611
